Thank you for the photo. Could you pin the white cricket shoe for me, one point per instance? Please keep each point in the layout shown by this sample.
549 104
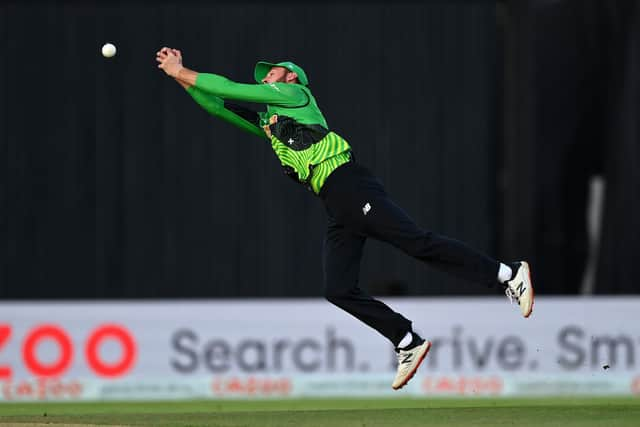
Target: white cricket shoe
408 362
520 288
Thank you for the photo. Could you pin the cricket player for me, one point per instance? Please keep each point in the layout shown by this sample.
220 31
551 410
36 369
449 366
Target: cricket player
357 205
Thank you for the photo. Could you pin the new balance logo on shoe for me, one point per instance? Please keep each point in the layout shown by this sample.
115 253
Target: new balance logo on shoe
407 358
521 288
408 362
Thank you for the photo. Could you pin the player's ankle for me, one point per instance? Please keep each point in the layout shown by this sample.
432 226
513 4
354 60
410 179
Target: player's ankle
505 273
410 340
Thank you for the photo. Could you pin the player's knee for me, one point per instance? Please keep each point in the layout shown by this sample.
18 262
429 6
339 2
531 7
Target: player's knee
422 244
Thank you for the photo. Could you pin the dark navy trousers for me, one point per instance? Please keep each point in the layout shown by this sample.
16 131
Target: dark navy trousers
358 208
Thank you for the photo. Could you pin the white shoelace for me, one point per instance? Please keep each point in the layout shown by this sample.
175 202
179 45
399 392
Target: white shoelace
510 293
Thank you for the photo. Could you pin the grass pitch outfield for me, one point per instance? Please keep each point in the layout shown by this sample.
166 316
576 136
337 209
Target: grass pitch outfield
398 412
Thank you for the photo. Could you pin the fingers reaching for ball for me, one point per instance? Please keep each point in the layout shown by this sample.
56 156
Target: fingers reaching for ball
167 52
169 60
177 53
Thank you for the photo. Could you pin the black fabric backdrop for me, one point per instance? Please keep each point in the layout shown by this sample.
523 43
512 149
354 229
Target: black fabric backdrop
571 113
115 184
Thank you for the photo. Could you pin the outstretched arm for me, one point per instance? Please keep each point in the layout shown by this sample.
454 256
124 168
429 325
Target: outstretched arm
217 107
273 93
170 61
212 104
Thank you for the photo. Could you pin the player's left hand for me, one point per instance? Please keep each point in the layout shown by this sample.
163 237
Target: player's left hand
273 119
170 61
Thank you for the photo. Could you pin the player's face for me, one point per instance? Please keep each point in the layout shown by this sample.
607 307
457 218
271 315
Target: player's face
276 74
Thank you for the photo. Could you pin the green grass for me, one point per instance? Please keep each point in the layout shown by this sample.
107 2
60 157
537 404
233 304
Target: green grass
399 412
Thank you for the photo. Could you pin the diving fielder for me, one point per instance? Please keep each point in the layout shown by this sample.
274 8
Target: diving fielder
357 205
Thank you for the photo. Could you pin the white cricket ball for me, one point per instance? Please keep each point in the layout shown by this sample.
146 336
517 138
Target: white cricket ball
108 50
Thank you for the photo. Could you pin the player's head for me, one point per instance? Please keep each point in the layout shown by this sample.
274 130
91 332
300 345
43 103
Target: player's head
283 72
280 74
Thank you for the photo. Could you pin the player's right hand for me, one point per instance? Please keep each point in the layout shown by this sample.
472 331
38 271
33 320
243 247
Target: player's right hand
170 61
177 53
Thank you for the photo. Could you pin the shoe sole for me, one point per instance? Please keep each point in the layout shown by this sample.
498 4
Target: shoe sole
532 292
413 371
